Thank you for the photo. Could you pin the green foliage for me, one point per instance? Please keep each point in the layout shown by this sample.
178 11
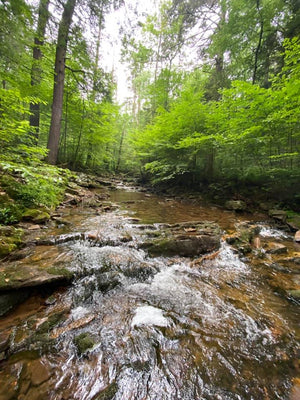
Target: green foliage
9 215
33 185
14 127
250 135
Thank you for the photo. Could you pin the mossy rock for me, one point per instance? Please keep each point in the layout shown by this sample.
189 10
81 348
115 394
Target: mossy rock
10 239
183 245
293 222
108 393
236 205
60 271
16 276
83 342
295 294
51 322
35 215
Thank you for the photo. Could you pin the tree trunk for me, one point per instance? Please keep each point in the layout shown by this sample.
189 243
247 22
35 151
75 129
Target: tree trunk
258 47
59 81
120 150
95 79
36 71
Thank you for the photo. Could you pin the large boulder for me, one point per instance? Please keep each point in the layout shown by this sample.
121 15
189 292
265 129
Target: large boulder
16 276
183 245
187 239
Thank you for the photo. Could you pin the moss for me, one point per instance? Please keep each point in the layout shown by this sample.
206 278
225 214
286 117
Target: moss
10 239
295 294
60 271
83 342
36 216
7 248
51 322
10 276
108 393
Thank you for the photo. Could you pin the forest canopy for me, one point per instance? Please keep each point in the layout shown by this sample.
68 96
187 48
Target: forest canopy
213 90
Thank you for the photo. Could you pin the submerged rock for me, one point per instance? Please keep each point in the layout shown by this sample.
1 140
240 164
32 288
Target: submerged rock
276 248
38 371
295 294
83 342
9 300
108 393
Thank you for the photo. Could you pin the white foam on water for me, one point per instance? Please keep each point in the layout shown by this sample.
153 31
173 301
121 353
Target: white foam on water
228 260
148 315
266 231
79 312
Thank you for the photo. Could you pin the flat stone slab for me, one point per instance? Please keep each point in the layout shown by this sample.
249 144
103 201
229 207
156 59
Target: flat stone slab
276 248
14 277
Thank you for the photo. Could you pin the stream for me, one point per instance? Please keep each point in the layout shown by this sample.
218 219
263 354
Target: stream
132 326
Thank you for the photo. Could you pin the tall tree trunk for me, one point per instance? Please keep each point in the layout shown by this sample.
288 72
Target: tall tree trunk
95 78
36 71
59 80
120 150
258 47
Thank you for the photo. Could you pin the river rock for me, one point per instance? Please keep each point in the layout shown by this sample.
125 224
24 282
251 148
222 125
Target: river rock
286 284
183 245
297 236
4 343
293 222
244 236
295 392
10 239
236 205
39 372
278 215
35 215
16 276
34 227
276 248
83 342
9 300
295 294
186 239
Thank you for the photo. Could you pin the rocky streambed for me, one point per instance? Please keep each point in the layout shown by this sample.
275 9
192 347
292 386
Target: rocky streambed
128 295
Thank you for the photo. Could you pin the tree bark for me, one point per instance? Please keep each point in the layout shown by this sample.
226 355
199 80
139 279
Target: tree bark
59 81
258 47
36 71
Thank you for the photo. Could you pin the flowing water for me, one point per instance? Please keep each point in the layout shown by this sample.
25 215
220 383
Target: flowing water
152 328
